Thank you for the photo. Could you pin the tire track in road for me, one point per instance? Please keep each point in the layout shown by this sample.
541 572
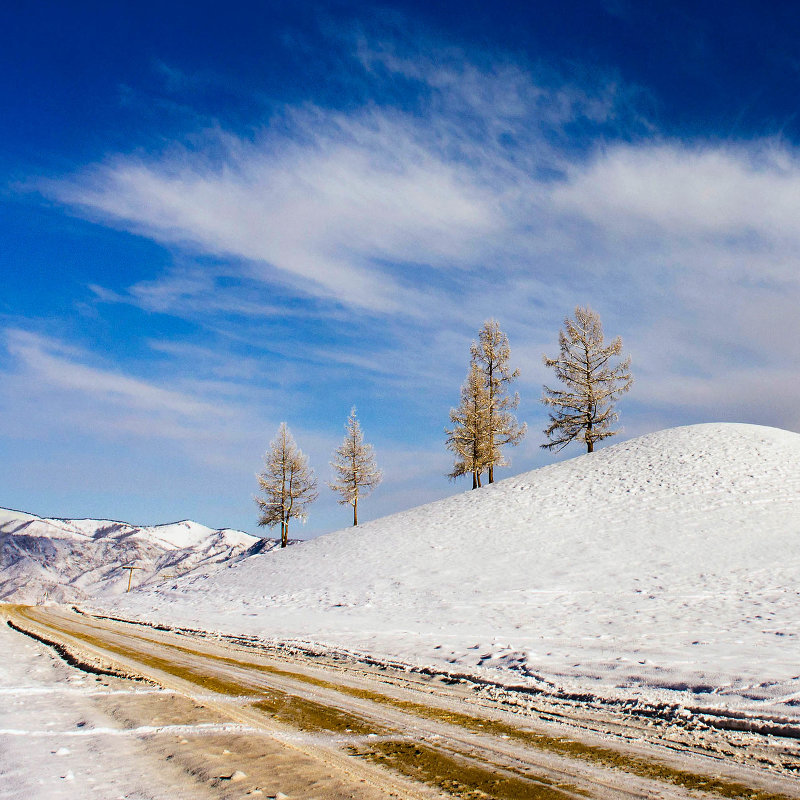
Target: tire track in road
362 731
283 715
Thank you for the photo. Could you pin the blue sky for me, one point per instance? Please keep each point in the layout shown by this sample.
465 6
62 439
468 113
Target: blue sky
217 218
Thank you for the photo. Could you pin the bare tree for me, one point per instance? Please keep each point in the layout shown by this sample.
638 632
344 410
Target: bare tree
287 483
491 354
584 410
356 472
468 439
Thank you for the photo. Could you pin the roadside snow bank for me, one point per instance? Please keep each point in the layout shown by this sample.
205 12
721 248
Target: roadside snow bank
667 566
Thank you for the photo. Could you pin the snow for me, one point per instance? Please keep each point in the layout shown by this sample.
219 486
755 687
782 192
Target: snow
666 567
56 741
180 535
8 516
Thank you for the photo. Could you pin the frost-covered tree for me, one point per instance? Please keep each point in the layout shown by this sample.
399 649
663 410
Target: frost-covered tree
468 438
287 483
354 463
583 410
491 354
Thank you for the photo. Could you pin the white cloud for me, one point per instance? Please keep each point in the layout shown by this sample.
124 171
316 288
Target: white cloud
53 367
377 209
744 197
702 242
323 216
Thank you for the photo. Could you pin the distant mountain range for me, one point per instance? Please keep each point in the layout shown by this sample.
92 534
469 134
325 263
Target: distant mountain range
68 560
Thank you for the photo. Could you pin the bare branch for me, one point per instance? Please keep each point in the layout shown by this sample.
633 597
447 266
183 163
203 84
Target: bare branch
354 463
287 482
584 410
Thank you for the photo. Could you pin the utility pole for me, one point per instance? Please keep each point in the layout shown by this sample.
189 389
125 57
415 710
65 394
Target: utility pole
130 568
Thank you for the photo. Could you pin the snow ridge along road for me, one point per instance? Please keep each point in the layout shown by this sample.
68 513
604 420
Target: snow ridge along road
371 731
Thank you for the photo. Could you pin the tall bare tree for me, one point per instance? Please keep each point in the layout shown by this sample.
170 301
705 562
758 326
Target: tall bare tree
491 354
584 410
287 483
468 438
354 462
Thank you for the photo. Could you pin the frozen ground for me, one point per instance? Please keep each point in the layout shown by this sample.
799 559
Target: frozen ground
666 567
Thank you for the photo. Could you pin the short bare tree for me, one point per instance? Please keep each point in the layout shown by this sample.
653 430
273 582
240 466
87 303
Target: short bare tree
468 438
583 411
491 354
354 462
287 483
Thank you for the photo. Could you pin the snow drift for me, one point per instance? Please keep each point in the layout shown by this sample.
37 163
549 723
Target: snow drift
668 563
71 559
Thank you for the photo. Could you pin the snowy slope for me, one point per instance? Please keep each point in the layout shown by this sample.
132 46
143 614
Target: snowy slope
69 559
664 564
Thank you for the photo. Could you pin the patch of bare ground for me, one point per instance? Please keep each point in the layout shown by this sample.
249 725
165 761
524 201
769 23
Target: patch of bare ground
230 764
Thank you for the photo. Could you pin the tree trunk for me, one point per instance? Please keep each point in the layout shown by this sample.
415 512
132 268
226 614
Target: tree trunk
589 440
474 479
491 419
284 532
479 480
355 512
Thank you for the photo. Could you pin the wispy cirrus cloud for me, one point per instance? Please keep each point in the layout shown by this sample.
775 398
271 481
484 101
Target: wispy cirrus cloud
322 217
362 208
706 238
742 194
194 291
52 364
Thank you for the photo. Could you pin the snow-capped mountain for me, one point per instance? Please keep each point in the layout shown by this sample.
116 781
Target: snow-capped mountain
667 563
72 559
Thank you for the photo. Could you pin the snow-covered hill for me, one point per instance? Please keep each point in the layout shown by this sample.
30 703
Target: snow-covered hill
72 559
666 563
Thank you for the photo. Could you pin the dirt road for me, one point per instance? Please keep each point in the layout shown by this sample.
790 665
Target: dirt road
240 719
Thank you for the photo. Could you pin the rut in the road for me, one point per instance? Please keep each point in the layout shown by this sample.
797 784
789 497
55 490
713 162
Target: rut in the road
447 766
